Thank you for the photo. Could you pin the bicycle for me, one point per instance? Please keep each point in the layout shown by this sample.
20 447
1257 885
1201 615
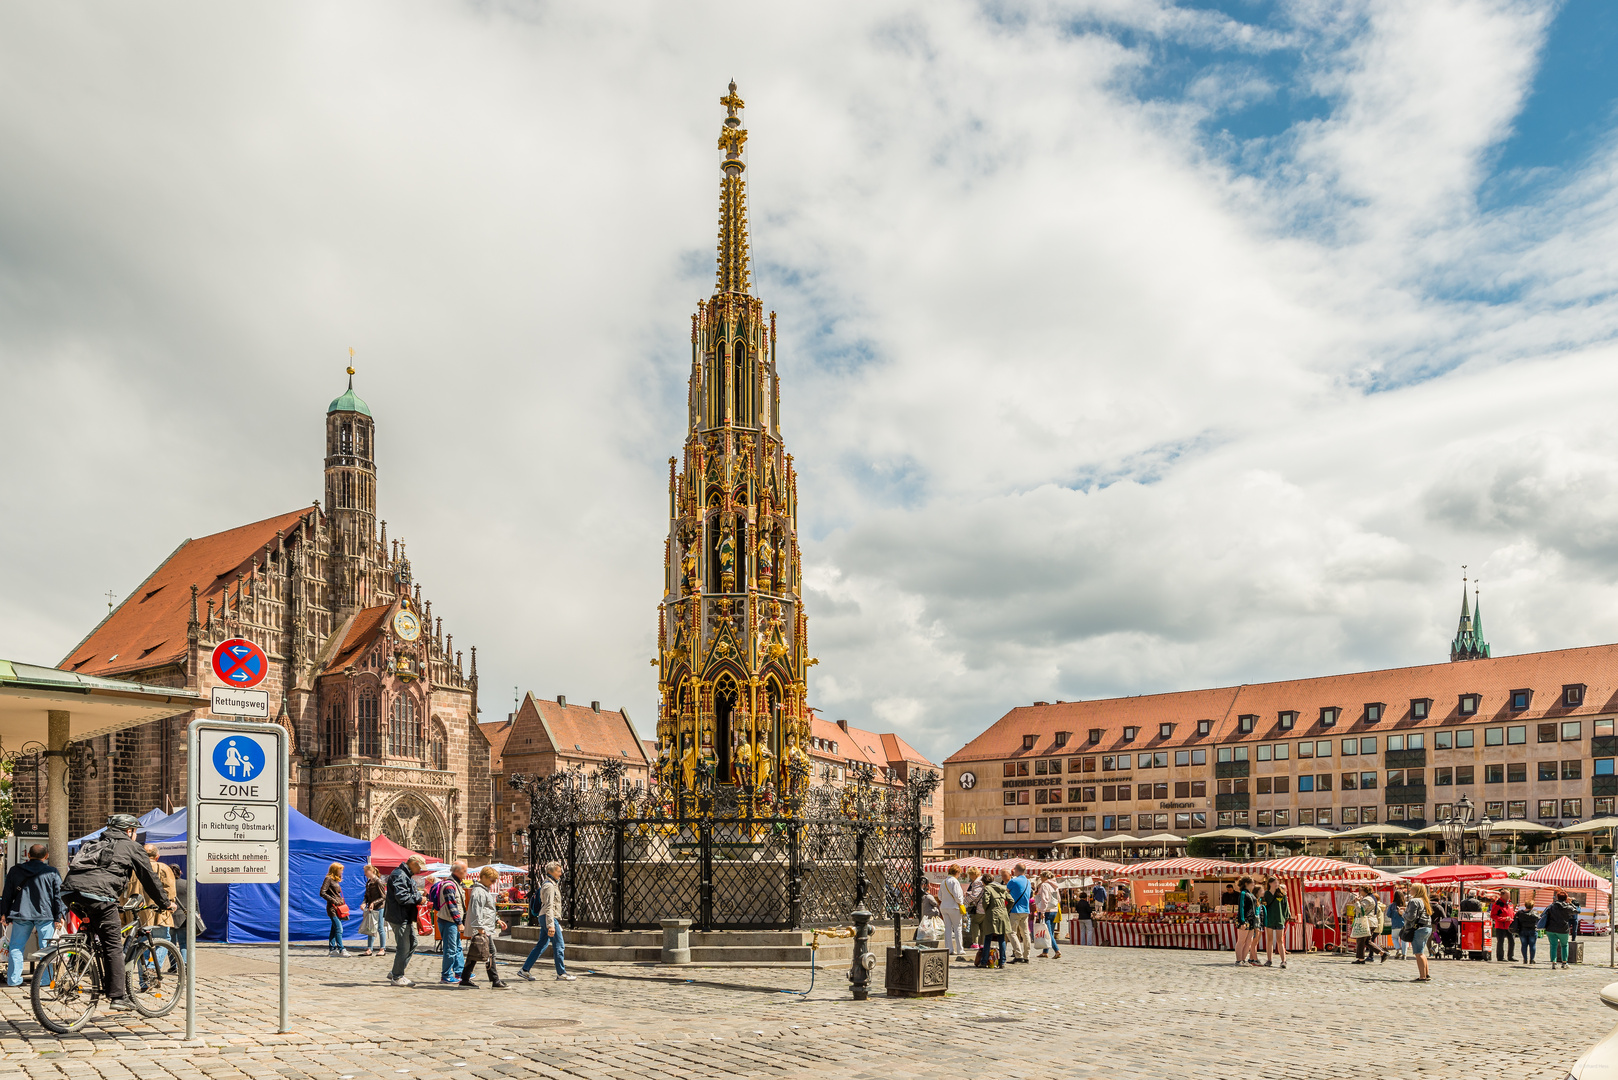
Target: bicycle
68 976
238 813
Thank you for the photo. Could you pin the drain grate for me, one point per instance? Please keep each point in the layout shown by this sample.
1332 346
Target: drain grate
536 1022
995 1020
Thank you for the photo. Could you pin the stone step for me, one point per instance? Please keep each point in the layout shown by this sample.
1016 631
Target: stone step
839 951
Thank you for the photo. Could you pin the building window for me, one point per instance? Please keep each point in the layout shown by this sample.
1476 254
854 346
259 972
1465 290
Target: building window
1351 781
1516 772
1396 778
1443 777
1061 737
1328 715
1603 766
1287 718
1095 735
1368 745
1373 714
1547 808
1130 733
438 746
1419 707
334 736
1283 785
1367 815
1572 808
1465 739
1573 695
1009 798
1547 770
1306 750
1351 815
1011 826
1572 730
1042 767
1494 774
1160 759
1603 806
1245 723
1323 748
1282 750
1494 736
1573 770
370 733
1517 808
1367 782
1517 735
1323 782
1283 817
1520 699
1224 819
1109 763
1396 742
1028 741
1306 783
1350 746
1262 785
1443 740
1203 726
1469 704
1199 789
1165 731
1145 762
1547 732
1603 729
1306 816
1264 752
1182 757
404 729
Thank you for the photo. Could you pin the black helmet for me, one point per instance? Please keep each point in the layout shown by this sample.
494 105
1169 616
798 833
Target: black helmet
123 821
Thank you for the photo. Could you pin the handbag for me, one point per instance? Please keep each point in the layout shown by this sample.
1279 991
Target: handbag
1408 933
342 911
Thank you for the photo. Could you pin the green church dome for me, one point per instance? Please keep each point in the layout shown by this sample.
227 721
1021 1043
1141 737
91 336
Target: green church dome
350 401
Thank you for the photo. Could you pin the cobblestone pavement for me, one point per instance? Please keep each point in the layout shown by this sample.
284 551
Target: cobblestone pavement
1124 1013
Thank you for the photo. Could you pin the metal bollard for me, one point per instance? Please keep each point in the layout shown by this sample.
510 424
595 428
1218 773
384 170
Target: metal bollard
859 973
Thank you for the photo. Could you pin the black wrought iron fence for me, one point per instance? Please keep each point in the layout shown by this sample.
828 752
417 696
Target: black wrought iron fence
628 863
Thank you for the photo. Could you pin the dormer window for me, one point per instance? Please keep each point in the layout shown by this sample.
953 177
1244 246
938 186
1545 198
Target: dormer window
1165 731
1245 722
1288 718
1373 712
1095 735
1419 707
1028 741
1130 733
1469 704
1573 695
1203 726
1328 715
1521 699
1061 737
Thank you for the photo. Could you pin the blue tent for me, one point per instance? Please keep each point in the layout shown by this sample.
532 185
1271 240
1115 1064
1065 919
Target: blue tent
152 816
252 913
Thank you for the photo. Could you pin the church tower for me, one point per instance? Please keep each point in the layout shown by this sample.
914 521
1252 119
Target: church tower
731 627
351 497
1469 643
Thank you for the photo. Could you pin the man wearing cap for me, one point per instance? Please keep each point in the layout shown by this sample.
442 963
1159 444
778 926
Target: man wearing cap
96 877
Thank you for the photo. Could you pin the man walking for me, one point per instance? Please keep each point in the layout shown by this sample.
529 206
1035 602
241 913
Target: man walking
1087 925
1021 892
550 926
952 905
449 909
399 910
31 904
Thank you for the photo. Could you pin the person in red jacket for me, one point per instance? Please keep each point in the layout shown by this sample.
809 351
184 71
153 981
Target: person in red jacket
1501 914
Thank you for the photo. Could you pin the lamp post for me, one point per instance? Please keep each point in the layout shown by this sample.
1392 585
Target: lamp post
1454 830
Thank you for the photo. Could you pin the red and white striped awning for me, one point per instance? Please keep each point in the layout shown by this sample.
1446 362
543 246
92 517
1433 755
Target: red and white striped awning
1564 873
1080 866
1168 868
1313 866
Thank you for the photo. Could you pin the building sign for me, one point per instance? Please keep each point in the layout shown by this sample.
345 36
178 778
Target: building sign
1033 781
969 828
1175 805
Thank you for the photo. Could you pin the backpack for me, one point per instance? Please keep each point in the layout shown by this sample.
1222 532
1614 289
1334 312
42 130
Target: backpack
90 854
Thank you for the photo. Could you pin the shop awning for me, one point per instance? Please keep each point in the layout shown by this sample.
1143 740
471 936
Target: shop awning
1564 873
1444 875
1313 866
1168 868
28 693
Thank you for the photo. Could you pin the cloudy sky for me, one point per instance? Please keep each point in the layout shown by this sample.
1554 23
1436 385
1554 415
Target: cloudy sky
1126 346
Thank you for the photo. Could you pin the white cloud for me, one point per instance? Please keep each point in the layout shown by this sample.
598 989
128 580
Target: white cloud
1079 397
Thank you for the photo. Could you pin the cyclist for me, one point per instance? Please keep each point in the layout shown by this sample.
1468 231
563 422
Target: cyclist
96 878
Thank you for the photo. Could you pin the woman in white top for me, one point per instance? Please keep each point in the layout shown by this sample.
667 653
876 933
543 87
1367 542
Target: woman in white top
1048 900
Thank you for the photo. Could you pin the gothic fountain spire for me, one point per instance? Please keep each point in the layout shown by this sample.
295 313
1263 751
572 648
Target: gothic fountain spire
732 272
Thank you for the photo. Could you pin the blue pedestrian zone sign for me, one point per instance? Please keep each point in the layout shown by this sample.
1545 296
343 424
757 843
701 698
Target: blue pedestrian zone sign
238 759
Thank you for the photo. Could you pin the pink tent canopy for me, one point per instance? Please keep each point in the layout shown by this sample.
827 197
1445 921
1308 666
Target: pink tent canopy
1564 873
387 856
1449 875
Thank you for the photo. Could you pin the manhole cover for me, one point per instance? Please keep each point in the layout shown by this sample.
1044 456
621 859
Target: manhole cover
536 1022
995 1020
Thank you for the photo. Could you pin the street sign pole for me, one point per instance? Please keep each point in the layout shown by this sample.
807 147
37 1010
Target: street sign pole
235 844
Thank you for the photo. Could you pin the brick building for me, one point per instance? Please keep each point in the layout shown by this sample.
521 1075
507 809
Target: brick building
833 747
380 707
1525 737
542 737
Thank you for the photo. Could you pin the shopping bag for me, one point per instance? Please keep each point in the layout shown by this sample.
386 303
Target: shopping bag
1042 937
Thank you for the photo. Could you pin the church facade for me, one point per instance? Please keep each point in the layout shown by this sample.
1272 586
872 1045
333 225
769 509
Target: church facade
731 624
380 706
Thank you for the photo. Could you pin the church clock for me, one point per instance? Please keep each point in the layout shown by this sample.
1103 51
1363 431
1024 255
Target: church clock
406 625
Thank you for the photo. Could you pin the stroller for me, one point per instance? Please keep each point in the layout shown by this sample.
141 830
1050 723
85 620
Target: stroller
1446 942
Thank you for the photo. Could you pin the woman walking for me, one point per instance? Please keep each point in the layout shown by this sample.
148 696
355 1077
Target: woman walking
975 881
1048 900
1525 924
1419 927
996 922
1396 922
1250 918
373 926
1561 922
1277 914
1366 926
331 891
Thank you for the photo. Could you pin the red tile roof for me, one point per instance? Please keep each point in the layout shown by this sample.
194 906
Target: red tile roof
496 732
899 750
1595 667
361 632
149 627
579 729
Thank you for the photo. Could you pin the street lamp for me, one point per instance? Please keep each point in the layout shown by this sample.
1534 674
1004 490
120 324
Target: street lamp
1454 830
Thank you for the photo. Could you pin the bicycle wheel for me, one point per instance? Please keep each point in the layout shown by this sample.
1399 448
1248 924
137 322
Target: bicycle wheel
155 974
64 990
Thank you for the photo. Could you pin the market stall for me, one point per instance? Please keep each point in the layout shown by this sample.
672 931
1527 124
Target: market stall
1173 903
1317 889
1592 894
1467 933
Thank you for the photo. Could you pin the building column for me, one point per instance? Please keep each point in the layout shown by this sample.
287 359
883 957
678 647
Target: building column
56 785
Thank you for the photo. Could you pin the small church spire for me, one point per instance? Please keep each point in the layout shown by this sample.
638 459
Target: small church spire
732 271
1468 643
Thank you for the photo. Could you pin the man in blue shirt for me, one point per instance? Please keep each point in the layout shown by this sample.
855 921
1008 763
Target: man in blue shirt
1020 890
